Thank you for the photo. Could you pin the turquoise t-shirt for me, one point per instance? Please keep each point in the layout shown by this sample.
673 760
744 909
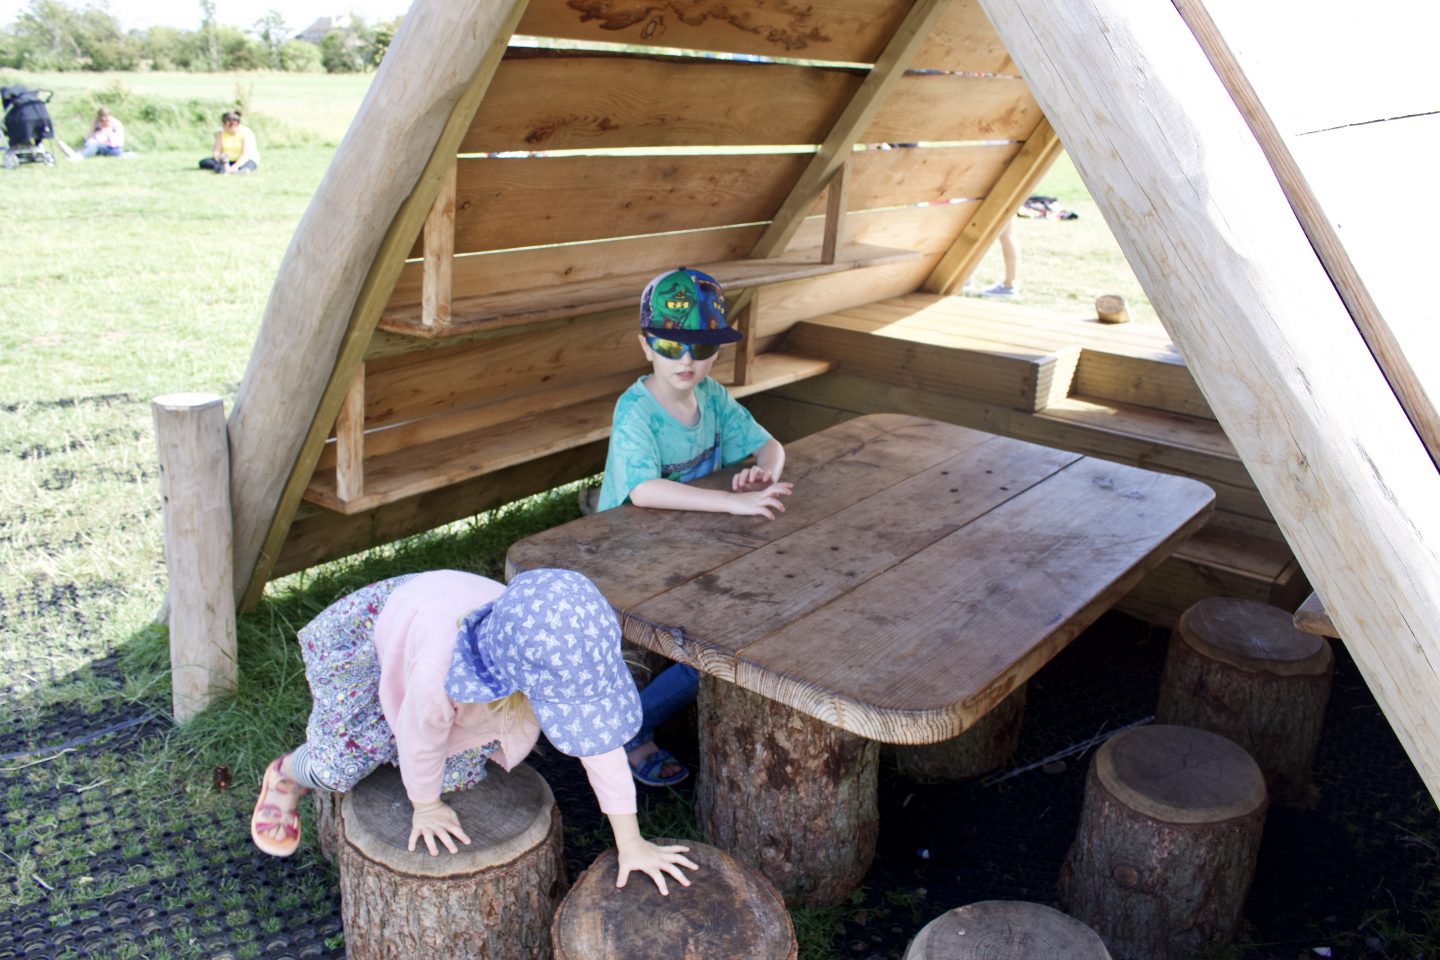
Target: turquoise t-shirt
647 443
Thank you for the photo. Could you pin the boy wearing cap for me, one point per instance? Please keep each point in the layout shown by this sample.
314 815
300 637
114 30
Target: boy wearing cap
673 426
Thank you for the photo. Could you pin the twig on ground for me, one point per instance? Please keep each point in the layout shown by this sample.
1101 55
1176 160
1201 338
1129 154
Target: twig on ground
1080 747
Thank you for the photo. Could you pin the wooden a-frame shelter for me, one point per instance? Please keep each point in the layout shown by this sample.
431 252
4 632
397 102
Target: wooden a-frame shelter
454 317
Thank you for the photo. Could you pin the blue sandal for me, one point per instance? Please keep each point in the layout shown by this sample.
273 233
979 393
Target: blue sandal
648 771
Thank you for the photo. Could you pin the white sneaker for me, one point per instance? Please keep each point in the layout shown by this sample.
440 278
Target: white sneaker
999 290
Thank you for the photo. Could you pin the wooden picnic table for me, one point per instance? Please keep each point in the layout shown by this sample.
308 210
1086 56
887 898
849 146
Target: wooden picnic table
920 573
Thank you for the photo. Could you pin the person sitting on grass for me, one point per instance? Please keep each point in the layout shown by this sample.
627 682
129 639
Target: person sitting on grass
673 426
235 149
441 672
106 137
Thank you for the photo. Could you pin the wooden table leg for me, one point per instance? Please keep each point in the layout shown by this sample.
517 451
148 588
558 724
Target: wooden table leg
791 796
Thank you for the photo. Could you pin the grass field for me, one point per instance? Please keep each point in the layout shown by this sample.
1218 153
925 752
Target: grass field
125 279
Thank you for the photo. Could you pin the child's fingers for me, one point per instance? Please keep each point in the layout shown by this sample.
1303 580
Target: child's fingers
620 880
460 834
414 835
659 878
430 844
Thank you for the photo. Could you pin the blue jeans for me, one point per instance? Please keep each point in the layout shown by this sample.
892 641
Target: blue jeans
662 697
92 149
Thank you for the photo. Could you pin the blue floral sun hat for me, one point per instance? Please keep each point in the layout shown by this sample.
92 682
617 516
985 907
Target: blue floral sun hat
553 636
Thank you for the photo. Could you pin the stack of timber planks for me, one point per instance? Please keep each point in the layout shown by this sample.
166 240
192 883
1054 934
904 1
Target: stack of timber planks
1120 393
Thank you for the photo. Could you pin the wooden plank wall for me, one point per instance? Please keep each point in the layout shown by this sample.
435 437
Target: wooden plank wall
623 161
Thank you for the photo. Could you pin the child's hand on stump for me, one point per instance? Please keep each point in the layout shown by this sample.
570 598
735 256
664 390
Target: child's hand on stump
655 862
637 853
436 820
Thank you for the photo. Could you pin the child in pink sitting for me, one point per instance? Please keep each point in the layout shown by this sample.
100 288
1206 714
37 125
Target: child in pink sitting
441 672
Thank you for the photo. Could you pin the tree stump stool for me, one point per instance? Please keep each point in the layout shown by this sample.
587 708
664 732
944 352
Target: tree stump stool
986 746
728 912
791 796
1006 930
327 822
493 899
1239 668
1163 859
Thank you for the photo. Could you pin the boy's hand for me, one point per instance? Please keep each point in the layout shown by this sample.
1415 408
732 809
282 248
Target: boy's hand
436 819
654 861
751 478
761 503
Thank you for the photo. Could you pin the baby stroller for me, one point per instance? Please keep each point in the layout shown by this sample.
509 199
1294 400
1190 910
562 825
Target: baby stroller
27 126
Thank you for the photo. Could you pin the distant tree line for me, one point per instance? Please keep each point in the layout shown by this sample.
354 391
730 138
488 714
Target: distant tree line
52 35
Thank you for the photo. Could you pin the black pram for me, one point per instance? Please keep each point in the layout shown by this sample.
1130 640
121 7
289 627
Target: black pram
27 126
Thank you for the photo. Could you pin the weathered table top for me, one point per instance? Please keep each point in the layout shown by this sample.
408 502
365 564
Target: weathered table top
920 573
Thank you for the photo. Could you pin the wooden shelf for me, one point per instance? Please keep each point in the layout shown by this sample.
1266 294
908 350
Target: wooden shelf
515 307
440 463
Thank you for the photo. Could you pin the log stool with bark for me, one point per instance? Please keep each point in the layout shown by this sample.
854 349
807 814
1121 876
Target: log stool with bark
1165 852
1239 668
986 746
729 911
1006 930
799 805
493 899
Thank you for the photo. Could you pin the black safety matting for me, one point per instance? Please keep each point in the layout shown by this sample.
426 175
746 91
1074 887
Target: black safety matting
1367 850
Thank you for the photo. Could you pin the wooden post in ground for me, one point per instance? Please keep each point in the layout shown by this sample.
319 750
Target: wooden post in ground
802 809
195 489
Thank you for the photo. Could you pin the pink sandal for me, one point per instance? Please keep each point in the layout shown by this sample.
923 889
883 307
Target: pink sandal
268 816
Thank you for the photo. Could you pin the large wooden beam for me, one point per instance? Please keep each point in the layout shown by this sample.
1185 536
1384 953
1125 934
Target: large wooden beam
345 257
1201 218
1378 336
908 38
959 262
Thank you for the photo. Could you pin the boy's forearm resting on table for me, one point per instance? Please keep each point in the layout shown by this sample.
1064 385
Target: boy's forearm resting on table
638 854
661 494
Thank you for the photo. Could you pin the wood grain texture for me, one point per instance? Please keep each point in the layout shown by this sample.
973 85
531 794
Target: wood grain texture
926 229
963 41
528 307
1006 930
792 797
1270 343
763 602
1415 396
846 30
194 470
986 746
349 446
1312 617
728 911
1002 199
1166 847
517 202
451 458
1240 669
327 295
491 900
890 66
438 240
579 101
945 107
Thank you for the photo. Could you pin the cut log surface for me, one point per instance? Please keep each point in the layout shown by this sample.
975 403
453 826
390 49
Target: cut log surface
989 744
1006 930
1239 668
789 795
493 899
728 912
1165 852
327 823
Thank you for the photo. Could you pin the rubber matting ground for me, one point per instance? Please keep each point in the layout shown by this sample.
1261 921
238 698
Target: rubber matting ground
1344 876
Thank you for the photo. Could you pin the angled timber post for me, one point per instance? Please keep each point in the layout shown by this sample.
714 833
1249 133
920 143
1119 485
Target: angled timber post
1201 217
